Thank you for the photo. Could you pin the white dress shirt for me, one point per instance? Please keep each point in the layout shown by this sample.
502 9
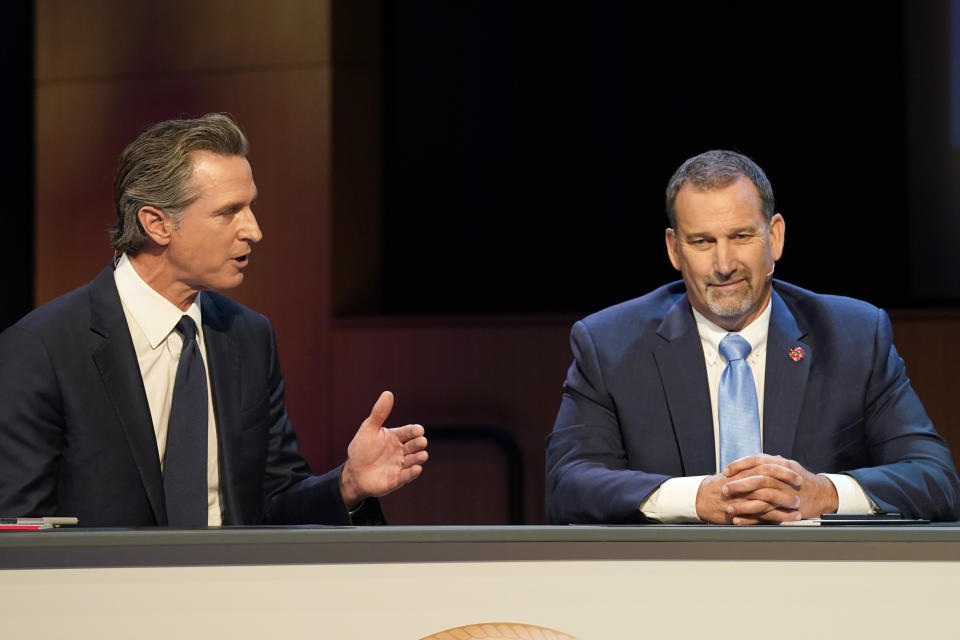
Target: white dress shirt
675 501
152 319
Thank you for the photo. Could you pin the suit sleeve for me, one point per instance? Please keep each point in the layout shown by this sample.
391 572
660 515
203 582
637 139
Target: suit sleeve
293 495
588 478
912 471
31 426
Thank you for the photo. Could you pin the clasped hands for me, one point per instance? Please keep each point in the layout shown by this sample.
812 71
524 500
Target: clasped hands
381 460
764 489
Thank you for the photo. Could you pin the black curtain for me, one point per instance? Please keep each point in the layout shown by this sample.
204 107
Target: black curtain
16 160
528 144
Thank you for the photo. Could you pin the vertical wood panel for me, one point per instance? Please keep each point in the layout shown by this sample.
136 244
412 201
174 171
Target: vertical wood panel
927 342
103 39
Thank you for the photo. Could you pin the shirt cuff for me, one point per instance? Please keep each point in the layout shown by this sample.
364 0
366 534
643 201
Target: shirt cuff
674 501
851 498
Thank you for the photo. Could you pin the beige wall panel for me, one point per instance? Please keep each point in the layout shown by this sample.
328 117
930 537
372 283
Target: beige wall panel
446 372
81 129
598 600
111 38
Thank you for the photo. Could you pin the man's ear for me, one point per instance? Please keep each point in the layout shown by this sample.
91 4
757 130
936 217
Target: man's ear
156 224
673 250
778 232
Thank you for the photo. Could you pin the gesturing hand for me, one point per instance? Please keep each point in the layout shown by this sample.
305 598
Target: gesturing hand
381 460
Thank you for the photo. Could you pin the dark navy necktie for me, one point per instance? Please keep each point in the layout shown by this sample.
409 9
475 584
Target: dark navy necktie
185 460
737 412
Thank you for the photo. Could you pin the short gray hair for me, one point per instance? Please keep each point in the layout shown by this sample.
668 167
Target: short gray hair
715 170
156 170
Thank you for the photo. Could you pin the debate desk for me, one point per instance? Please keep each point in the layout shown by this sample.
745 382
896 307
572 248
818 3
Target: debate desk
584 582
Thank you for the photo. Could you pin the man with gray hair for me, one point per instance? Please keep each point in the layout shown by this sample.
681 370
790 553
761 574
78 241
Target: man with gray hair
733 398
146 398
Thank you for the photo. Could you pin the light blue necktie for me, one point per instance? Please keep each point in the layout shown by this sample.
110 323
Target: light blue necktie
737 410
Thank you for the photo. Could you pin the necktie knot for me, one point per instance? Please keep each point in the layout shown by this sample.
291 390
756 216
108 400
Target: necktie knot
187 328
734 347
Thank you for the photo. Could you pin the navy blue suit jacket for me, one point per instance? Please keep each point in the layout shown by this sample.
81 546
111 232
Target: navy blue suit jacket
76 437
636 407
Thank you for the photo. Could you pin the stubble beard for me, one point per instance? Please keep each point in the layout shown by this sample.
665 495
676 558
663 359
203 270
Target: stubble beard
734 304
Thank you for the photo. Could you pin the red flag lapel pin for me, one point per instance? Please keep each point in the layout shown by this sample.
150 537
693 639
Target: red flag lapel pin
796 354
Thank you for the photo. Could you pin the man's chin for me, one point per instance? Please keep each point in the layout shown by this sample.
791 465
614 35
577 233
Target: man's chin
730 309
225 284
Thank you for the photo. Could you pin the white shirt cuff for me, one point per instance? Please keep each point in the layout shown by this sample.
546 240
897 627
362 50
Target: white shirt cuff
674 501
851 498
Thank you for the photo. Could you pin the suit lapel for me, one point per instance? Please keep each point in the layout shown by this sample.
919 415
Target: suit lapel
223 357
684 377
785 382
117 363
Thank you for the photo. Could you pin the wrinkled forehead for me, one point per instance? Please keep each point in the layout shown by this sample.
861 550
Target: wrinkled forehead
734 206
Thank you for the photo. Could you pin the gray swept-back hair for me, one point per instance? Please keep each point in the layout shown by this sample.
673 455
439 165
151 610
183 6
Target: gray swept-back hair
715 170
156 170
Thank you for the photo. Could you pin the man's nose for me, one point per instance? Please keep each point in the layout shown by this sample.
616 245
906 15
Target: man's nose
249 229
725 259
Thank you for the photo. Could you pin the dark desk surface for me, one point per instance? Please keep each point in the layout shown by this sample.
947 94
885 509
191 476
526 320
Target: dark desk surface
63 548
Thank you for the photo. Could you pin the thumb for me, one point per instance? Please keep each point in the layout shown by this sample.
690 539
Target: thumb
380 412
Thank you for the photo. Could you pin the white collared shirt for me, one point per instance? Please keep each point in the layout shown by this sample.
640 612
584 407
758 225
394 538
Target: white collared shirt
675 501
152 319
710 336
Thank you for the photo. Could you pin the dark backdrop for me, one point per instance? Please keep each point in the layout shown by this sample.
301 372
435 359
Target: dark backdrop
527 145
16 160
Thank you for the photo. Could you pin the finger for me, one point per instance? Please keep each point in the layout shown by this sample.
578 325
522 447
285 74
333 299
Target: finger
774 516
380 412
415 459
749 507
407 432
755 460
408 475
748 462
796 466
774 497
765 476
414 445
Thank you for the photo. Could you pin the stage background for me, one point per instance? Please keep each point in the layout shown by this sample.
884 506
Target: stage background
446 187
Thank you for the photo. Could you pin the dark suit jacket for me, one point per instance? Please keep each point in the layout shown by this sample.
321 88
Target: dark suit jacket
76 437
636 407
